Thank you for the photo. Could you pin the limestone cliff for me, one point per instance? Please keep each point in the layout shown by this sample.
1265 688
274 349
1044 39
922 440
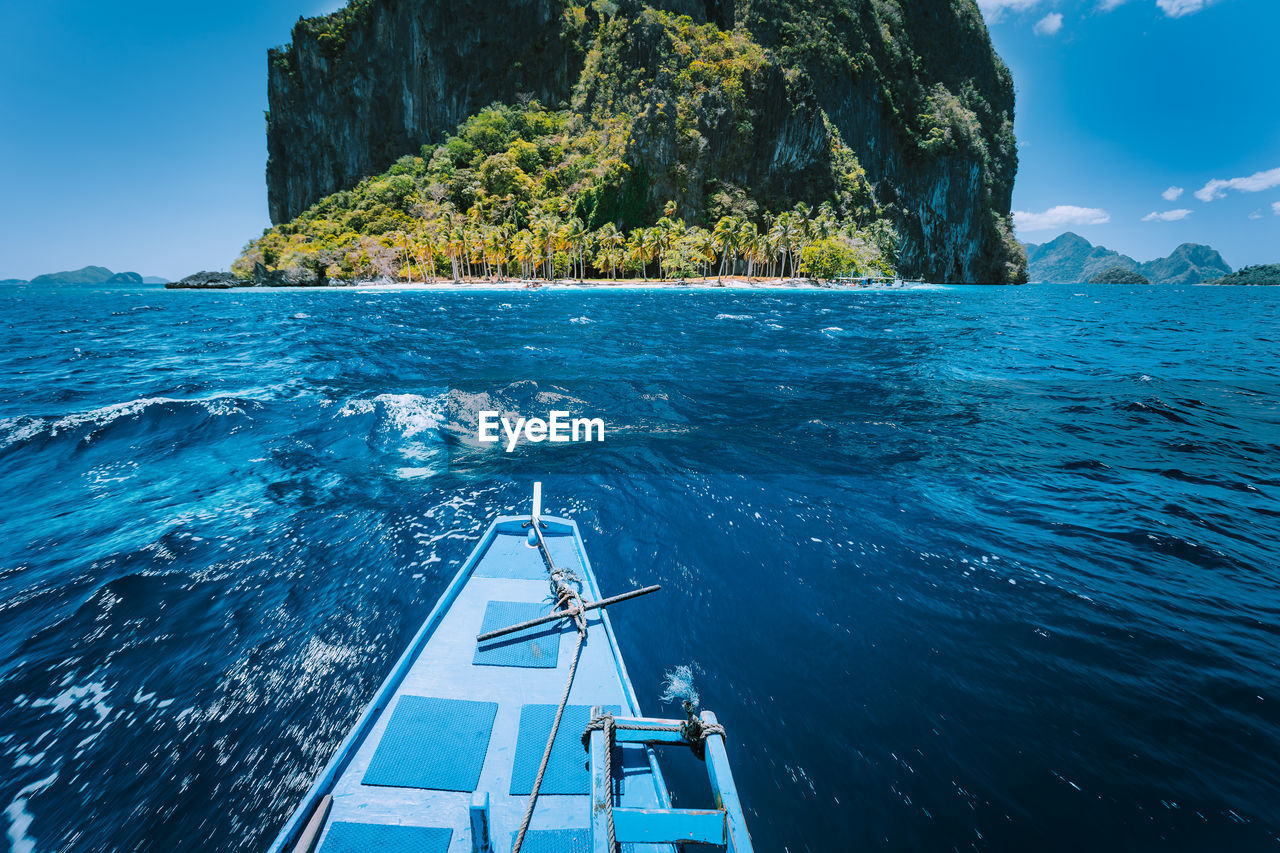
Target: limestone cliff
908 91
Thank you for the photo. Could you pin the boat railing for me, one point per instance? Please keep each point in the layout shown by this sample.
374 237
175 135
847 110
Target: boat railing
724 826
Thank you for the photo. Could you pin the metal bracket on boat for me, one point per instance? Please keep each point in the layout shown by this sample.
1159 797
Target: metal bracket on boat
724 826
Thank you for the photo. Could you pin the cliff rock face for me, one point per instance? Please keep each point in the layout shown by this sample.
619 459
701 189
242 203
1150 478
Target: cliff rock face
908 91
351 95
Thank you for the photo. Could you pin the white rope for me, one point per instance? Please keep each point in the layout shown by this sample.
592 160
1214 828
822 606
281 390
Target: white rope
567 598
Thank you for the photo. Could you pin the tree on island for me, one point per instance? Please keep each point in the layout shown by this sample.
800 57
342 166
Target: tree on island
514 189
1264 274
1119 275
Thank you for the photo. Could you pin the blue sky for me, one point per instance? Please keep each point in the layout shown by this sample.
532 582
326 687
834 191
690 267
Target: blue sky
1121 102
133 132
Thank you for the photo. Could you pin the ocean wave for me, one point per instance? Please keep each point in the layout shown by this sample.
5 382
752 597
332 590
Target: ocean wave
733 316
408 414
16 430
98 418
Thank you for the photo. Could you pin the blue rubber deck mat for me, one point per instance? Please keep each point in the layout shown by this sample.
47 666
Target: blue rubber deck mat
555 840
365 837
567 771
511 557
535 647
438 744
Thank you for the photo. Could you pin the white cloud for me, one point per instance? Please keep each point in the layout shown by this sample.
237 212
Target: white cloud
994 9
1275 207
1217 188
1257 214
1173 193
1178 8
1049 25
1059 217
1167 216
1108 5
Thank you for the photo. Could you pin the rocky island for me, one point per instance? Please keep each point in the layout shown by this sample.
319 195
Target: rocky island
1119 275
671 139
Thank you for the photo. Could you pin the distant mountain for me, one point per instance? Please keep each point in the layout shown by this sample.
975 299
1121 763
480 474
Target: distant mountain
1190 263
13 281
95 275
1071 259
85 275
154 279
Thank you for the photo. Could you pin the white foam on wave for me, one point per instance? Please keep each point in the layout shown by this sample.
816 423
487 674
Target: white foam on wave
580 320
413 414
14 430
92 695
733 316
100 417
20 819
410 414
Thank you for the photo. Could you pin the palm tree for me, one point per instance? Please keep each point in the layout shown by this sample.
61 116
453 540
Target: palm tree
783 235
670 230
747 241
638 251
525 253
725 237
704 248
541 230
610 243
576 244
804 230
652 240
454 242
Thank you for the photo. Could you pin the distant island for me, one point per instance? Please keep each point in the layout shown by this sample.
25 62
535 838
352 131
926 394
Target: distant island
1071 259
1119 275
637 140
1263 274
88 275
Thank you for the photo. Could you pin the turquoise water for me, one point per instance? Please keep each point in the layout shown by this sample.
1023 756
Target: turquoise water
969 568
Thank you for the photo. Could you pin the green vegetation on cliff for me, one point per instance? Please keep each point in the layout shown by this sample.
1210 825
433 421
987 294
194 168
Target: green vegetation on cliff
885 123
1258 274
1119 275
529 191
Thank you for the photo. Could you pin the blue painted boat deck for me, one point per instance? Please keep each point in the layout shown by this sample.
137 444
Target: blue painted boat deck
454 719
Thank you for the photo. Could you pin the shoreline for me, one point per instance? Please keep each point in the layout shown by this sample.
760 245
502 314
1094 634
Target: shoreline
515 285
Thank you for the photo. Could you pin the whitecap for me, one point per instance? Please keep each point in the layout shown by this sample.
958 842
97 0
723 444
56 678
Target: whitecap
92 695
20 819
580 320
14 430
103 416
733 316
411 413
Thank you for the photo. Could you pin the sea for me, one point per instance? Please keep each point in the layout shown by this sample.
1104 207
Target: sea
958 568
